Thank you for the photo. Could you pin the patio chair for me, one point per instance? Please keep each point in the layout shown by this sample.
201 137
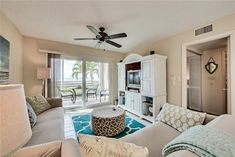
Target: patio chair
104 93
67 94
77 92
92 91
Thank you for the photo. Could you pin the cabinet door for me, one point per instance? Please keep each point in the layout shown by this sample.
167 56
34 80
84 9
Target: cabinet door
159 76
146 75
121 77
132 103
129 100
137 102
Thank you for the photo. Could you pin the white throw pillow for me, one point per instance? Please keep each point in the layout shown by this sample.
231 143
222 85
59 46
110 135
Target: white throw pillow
97 146
180 118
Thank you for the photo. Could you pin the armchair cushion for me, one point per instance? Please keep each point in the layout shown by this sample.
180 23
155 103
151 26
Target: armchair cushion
51 149
38 103
64 148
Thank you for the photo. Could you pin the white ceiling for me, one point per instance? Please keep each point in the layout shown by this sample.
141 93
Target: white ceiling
143 21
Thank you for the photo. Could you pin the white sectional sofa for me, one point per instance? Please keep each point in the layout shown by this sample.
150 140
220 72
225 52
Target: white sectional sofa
48 135
156 136
50 124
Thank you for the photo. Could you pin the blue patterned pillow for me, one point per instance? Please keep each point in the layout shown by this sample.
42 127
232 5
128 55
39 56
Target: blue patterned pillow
32 115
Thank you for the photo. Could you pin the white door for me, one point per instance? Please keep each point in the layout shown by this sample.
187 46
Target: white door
194 82
214 85
146 75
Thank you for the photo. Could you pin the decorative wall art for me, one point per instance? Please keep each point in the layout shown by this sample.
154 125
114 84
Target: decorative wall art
211 66
4 60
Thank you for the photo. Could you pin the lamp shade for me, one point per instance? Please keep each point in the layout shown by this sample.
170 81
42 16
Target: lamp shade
43 73
15 130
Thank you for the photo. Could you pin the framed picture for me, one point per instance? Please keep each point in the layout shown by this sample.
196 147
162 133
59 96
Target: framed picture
4 60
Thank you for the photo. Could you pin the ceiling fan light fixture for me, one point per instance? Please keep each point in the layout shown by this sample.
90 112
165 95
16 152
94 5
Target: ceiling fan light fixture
103 36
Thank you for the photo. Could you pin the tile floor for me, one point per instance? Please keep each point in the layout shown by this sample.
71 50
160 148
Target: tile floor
68 124
67 103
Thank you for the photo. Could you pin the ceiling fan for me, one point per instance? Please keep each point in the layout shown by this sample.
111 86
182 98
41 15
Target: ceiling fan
103 37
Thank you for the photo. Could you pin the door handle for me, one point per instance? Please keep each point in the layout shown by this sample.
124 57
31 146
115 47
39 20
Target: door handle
224 89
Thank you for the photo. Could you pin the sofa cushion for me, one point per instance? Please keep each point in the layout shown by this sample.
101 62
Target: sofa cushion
54 113
180 118
38 103
224 122
49 127
32 115
97 146
154 137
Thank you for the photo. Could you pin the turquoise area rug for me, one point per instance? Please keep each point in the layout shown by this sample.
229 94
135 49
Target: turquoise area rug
82 125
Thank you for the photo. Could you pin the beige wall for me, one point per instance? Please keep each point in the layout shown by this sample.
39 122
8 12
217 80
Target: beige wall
33 58
171 47
11 33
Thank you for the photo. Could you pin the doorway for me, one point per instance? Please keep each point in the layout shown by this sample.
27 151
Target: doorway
207 79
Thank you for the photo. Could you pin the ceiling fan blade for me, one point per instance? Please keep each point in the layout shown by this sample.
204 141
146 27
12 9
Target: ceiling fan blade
86 39
120 35
91 28
113 43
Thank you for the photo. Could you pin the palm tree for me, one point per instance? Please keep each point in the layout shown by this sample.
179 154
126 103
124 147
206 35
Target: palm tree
92 68
77 69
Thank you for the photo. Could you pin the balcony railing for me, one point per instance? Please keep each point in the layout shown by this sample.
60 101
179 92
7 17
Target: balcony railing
72 91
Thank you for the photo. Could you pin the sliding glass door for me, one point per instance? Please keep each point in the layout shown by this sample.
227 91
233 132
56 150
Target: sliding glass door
73 73
96 82
80 82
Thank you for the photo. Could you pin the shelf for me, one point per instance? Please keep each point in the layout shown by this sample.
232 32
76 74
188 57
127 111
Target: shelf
122 106
149 118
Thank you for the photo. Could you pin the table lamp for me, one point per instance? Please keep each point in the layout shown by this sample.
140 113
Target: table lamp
15 130
43 74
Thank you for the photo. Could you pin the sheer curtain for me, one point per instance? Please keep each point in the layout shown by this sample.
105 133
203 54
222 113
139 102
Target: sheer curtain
55 63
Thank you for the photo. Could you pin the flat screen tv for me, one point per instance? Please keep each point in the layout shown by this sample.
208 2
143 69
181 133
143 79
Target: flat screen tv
133 79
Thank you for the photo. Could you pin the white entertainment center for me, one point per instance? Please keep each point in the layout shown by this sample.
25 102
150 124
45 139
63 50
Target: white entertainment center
142 85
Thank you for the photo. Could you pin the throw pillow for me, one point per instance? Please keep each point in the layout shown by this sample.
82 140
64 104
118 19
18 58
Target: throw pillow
97 146
32 115
38 103
180 118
